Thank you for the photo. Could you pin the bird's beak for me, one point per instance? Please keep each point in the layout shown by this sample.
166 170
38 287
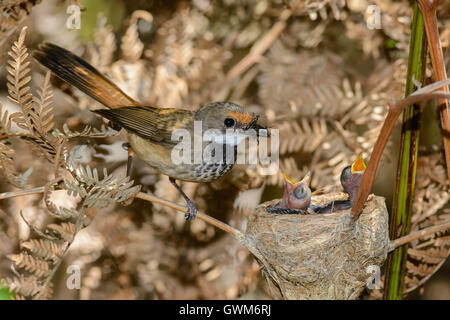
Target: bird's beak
359 165
288 180
292 199
305 179
260 130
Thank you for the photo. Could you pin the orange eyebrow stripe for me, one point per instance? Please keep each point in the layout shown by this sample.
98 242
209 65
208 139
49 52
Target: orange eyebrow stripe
241 117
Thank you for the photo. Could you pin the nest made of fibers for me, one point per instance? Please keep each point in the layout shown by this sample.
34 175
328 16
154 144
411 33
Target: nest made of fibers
319 256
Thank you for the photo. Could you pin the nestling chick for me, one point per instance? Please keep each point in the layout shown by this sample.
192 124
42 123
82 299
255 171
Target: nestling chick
351 178
297 195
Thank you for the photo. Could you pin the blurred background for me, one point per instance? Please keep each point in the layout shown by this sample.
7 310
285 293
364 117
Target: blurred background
320 71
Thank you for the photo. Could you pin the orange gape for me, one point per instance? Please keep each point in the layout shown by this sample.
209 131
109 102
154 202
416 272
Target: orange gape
150 130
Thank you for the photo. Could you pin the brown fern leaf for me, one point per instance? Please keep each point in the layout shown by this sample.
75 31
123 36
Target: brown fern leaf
44 249
29 263
5 121
426 256
18 78
42 114
46 292
7 167
24 286
65 230
13 13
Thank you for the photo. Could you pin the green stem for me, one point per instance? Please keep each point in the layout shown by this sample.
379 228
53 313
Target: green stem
400 219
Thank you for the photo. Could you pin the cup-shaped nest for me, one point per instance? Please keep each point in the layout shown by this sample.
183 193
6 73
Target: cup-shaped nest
319 256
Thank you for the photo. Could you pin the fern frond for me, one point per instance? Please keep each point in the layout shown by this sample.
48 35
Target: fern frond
24 286
43 146
114 191
7 167
42 115
74 189
44 249
65 230
105 191
63 213
306 135
29 263
88 131
5 121
18 79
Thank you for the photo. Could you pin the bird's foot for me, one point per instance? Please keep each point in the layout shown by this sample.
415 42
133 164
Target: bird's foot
191 211
127 147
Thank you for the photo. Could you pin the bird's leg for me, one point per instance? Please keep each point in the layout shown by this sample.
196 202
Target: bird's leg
131 155
191 209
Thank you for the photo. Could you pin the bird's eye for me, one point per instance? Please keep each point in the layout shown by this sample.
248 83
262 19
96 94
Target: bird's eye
299 192
229 122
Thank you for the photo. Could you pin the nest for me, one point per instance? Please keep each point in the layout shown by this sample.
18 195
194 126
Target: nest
320 256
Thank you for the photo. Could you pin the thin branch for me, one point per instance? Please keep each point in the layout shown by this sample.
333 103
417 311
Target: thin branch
260 47
147 197
218 224
428 8
18 193
14 135
417 235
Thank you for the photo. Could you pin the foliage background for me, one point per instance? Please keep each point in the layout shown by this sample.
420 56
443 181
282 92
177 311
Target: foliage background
323 82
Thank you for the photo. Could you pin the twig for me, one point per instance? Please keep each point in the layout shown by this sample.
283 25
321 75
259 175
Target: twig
417 235
18 193
260 47
144 196
218 224
35 229
14 135
428 9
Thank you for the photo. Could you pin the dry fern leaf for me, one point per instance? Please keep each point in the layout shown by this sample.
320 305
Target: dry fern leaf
65 230
13 13
18 78
7 163
24 286
8 169
105 42
88 131
44 249
426 256
29 263
43 146
62 213
131 46
99 192
42 115
5 121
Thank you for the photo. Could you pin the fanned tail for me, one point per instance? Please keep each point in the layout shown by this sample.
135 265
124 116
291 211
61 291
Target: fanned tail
82 75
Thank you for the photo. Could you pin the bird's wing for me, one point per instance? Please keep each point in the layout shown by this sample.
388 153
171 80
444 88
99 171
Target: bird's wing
148 122
82 75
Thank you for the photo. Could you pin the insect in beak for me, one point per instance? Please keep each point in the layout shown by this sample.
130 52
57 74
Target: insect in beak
260 130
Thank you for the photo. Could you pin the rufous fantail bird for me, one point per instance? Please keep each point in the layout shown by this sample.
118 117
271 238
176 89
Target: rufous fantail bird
150 129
